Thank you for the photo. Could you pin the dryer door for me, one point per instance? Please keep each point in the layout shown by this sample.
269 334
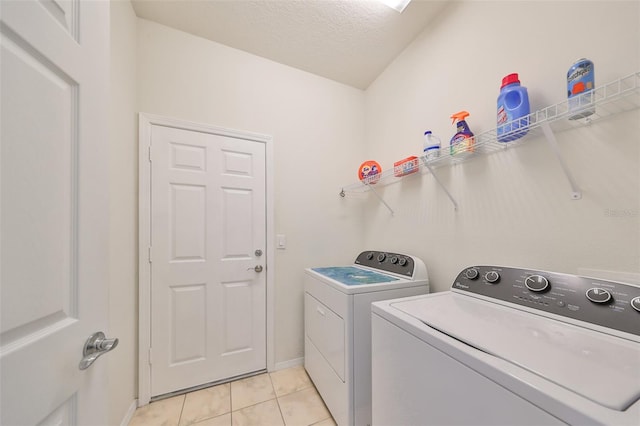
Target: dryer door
326 330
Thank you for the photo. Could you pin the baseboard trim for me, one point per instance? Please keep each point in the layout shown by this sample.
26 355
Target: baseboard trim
130 412
288 364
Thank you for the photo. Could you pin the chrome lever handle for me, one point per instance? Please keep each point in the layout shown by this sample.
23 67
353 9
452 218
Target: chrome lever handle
97 344
257 268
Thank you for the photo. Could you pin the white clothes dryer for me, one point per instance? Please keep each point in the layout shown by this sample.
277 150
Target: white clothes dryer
337 317
509 346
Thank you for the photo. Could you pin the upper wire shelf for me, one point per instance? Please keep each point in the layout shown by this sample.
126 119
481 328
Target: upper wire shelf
607 100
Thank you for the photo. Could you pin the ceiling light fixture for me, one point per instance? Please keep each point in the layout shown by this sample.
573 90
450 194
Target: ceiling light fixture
398 5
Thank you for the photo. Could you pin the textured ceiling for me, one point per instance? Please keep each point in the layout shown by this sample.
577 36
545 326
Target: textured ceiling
349 41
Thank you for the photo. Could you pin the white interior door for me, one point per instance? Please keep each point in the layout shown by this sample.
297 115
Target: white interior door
53 211
208 234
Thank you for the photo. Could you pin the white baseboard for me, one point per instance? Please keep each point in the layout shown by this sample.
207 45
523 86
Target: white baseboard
288 364
129 415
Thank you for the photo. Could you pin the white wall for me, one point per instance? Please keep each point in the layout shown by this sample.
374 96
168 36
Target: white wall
123 212
317 128
515 207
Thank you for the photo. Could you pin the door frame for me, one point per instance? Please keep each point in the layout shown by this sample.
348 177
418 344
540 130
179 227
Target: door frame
145 121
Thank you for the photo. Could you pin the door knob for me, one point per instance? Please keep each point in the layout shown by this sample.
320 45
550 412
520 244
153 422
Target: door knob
258 253
257 268
95 346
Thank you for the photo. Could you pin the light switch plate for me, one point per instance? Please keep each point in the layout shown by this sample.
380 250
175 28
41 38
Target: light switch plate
281 241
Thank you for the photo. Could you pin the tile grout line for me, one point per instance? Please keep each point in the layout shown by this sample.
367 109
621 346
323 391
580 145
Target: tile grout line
277 401
184 401
280 411
231 401
257 403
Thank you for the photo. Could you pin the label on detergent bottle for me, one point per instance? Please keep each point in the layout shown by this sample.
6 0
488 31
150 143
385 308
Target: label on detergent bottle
502 115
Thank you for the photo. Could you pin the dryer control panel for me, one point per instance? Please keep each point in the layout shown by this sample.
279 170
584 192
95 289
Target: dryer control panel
396 263
609 304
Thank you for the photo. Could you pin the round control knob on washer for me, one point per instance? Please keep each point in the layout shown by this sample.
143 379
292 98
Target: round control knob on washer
536 283
394 259
598 295
382 257
471 273
492 277
402 261
635 303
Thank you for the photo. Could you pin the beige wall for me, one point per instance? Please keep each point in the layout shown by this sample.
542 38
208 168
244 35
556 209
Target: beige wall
316 125
515 207
123 212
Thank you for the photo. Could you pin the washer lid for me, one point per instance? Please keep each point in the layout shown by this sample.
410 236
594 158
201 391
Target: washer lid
350 275
600 367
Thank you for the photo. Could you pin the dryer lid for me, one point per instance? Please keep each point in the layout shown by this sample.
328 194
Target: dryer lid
600 367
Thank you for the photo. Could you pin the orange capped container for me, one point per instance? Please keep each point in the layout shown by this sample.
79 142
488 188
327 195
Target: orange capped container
369 172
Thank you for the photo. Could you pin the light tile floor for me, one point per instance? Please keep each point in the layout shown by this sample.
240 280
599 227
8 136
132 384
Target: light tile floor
283 398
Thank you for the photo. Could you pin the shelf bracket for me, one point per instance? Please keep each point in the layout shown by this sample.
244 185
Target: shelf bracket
379 197
444 188
576 194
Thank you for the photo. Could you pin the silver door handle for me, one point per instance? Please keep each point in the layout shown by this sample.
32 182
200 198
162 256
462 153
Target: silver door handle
257 268
95 346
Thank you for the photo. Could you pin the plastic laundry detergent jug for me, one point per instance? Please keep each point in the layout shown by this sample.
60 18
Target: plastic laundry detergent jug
513 109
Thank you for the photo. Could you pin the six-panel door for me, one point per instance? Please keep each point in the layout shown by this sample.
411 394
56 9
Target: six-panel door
208 309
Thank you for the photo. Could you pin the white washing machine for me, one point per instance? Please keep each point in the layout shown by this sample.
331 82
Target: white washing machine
337 323
509 346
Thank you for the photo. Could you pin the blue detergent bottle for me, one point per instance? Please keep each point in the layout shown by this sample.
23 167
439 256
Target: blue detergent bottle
513 109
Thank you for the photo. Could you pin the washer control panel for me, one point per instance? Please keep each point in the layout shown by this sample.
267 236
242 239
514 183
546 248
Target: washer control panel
385 261
606 303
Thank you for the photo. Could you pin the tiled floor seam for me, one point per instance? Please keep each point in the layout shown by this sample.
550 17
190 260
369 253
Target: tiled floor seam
295 391
280 410
248 406
184 400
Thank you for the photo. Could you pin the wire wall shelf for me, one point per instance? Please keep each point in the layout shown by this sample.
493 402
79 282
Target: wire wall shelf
619 96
